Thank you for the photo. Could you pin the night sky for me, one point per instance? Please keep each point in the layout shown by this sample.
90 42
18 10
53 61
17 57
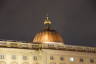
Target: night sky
74 19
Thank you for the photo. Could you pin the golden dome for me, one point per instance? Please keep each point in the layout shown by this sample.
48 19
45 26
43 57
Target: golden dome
48 35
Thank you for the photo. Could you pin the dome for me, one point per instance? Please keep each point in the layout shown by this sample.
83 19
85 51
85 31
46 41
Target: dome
48 35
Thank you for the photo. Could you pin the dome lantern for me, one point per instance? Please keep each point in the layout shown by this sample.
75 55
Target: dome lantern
47 23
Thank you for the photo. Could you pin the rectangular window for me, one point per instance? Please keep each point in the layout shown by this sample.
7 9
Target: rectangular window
81 60
24 57
34 57
2 56
71 59
91 60
51 58
61 58
13 57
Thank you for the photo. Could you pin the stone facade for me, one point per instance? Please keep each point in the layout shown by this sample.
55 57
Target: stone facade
45 53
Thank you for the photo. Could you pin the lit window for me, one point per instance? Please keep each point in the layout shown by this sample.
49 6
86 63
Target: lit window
81 60
71 59
92 60
2 57
24 57
61 58
51 58
35 57
14 57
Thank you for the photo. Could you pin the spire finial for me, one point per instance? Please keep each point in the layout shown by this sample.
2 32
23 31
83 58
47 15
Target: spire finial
47 20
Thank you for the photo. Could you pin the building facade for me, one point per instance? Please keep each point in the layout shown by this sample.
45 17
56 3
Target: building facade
47 48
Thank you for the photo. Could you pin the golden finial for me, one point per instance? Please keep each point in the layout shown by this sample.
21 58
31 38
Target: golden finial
47 20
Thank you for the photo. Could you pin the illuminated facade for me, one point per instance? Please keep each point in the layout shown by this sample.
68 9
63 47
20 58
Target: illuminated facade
47 48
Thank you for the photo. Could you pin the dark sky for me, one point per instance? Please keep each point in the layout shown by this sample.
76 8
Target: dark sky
74 19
